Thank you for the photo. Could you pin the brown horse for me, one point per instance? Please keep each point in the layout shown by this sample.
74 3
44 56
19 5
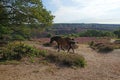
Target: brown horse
63 42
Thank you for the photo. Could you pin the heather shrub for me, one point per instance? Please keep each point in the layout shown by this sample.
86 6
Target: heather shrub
18 50
102 47
91 43
105 48
67 59
117 41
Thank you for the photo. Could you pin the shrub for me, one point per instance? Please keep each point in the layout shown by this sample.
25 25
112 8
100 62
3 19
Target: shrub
117 41
102 47
105 49
3 43
18 37
67 59
91 43
18 50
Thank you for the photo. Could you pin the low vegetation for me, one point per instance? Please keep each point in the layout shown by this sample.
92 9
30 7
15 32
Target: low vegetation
102 47
106 48
67 59
16 51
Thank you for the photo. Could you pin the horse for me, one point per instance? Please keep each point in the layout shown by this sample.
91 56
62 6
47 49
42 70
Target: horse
63 42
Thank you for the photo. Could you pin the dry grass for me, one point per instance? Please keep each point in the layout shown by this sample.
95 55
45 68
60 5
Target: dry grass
99 67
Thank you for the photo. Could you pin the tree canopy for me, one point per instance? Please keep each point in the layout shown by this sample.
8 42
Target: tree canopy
16 14
24 12
117 33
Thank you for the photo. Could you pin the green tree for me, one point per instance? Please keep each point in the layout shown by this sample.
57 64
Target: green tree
25 11
97 33
4 32
3 15
117 33
15 14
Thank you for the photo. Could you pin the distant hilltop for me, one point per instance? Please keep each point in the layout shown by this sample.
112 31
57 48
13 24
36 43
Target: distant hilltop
70 28
66 28
87 25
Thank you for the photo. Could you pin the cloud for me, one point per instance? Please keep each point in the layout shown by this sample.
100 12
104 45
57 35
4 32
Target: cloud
100 11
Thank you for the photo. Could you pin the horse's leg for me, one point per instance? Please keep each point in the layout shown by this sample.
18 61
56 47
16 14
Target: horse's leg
58 48
69 48
72 49
62 48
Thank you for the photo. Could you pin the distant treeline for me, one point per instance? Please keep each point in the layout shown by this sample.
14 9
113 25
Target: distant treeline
96 33
31 31
76 26
83 30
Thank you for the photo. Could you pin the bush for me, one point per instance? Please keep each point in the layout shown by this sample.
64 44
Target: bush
3 43
117 41
18 50
18 37
67 59
105 49
102 47
91 43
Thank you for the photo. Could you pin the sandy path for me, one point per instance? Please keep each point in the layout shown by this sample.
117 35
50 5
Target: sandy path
99 67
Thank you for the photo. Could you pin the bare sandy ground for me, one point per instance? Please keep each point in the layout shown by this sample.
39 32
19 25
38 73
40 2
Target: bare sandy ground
100 66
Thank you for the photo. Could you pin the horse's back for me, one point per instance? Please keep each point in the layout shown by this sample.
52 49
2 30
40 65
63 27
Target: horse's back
63 41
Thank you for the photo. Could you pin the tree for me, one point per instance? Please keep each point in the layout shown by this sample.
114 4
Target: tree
25 11
117 33
97 33
14 13
4 32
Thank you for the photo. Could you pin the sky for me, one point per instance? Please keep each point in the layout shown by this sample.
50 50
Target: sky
84 11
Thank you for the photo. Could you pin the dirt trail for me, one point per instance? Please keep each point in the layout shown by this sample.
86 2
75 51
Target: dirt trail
99 67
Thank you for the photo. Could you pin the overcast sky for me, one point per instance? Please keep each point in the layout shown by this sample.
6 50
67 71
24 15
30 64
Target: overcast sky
84 11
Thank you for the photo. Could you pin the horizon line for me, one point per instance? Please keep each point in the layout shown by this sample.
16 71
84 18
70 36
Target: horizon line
86 23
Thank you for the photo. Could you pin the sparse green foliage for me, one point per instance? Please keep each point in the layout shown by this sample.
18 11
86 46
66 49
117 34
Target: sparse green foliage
16 14
4 32
18 50
117 33
18 37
